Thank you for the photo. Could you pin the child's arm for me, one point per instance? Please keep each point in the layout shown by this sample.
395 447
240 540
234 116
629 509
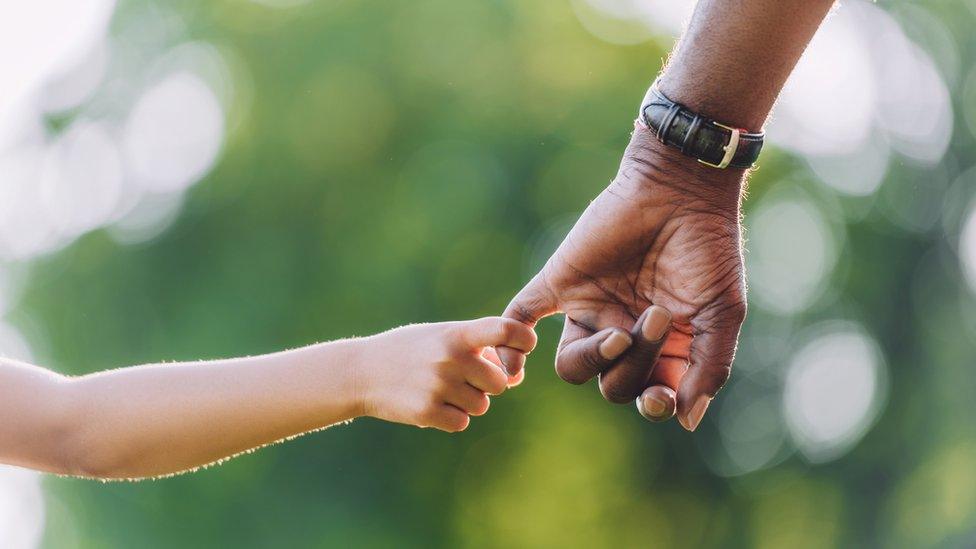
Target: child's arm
162 419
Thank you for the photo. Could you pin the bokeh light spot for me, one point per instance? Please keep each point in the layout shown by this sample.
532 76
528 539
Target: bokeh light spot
25 228
174 132
791 249
856 173
21 508
82 179
967 247
13 344
826 105
835 387
751 428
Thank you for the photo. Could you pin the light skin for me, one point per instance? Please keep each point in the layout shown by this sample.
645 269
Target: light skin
667 230
163 419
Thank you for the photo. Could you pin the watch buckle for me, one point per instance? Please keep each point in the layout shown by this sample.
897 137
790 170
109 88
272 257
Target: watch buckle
730 148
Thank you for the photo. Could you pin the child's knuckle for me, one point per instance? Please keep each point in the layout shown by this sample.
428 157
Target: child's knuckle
457 423
498 383
484 403
510 328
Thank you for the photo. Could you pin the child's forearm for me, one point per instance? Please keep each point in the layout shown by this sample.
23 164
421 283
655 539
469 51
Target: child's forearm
161 419
166 418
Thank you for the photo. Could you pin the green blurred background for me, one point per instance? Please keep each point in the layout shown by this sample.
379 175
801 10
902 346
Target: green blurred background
350 166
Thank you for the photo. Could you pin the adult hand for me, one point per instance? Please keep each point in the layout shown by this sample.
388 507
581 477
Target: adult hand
666 232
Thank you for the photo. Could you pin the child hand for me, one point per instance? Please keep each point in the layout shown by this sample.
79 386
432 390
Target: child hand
437 375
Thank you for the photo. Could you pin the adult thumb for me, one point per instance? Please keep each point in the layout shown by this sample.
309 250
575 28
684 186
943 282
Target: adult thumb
534 302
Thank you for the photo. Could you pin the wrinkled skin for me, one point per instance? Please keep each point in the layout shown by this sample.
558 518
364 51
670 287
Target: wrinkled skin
665 232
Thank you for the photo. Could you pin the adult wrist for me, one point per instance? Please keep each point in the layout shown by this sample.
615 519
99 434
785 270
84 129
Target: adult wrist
652 164
725 106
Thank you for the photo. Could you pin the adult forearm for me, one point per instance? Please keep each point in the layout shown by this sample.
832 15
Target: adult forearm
730 65
165 418
735 56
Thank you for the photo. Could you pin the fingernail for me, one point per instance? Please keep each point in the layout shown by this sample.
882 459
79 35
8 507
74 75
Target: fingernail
655 406
697 413
657 322
615 345
650 407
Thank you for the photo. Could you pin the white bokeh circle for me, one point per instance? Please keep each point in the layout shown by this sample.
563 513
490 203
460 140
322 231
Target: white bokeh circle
174 133
835 387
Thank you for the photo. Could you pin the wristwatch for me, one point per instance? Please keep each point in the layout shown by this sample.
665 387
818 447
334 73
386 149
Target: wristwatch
712 143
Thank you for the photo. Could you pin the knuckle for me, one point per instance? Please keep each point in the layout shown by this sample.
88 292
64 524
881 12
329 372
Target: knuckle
481 407
578 368
592 362
498 383
643 354
443 371
531 339
720 376
455 423
614 392
513 359
509 328
569 374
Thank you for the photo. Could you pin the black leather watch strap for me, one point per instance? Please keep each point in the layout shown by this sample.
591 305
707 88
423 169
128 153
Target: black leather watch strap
712 143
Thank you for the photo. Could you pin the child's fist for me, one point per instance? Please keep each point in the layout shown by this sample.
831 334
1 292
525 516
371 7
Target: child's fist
437 375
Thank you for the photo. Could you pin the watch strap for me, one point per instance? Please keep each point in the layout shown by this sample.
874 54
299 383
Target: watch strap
712 143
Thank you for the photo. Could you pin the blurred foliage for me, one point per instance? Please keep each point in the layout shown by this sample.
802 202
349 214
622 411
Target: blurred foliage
398 162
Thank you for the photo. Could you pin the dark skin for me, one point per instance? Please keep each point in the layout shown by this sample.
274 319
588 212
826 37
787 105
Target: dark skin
667 231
